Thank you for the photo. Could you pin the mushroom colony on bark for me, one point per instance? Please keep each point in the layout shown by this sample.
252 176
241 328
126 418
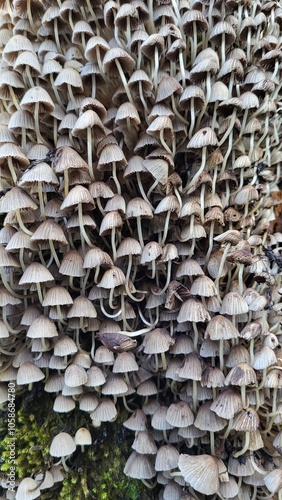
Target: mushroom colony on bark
140 269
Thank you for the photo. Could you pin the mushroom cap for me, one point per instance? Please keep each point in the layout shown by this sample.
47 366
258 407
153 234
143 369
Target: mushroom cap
36 273
27 489
62 445
83 437
139 466
201 472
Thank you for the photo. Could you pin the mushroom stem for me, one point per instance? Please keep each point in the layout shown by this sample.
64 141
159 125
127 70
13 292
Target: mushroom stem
39 292
37 127
166 227
63 460
146 111
115 178
12 170
89 152
176 111
13 96
115 315
222 262
195 396
197 175
156 68
164 144
245 447
210 243
54 253
136 333
139 230
141 189
7 285
20 222
41 201
168 277
124 81
84 236
230 128
212 443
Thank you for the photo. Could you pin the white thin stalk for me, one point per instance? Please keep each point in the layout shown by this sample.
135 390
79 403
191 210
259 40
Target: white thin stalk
124 81
89 153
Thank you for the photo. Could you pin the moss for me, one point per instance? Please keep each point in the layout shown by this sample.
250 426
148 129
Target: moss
95 474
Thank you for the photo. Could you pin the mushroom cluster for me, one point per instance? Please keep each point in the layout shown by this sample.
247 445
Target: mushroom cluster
140 160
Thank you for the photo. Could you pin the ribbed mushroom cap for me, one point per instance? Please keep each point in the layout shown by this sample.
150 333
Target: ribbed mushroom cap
227 404
240 468
220 328
242 374
103 356
37 96
110 221
194 19
66 158
179 414
41 172
82 437
16 44
273 480
64 346
263 358
139 466
129 246
246 420
147 388
72 264
109 61
97 257
82 308
114 385
206 420
57 295
49 230
201 472
144 443
36 273
63 404
238 354
212 377
75 375
78 194
62 445
233 303
112 277
29 373
189 267
42 327
125 362
166 458
95 377
15 199
157 341
137 421
105 411
88 402
193 310
54 383
204 287
27 489
191 367
7 259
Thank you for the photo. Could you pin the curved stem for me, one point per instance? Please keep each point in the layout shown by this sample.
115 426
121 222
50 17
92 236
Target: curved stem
124 81
20 222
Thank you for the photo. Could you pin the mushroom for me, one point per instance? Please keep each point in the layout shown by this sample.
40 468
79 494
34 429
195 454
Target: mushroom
62 446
